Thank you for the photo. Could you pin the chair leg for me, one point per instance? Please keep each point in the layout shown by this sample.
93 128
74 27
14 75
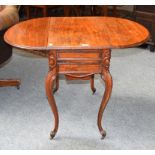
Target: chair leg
10 82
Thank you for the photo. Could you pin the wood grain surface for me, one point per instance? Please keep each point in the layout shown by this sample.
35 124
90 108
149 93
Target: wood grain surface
79 47
76 33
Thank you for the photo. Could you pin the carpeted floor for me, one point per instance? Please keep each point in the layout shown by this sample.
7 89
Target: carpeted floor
129 119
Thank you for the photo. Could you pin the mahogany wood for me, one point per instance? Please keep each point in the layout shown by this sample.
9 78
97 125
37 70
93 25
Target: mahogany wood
83 77
49 82
76 33
56 84
92 84
79 47
10 82
105 74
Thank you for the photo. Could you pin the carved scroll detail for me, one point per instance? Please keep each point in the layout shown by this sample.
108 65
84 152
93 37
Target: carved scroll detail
106 55
52 60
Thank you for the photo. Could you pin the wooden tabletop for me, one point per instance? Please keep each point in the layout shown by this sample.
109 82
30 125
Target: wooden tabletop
76 33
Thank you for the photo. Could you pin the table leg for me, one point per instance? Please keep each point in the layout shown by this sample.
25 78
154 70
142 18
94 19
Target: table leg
49 83
56 84
92 84
108 88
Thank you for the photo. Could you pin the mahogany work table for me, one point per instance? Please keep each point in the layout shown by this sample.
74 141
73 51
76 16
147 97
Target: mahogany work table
79 47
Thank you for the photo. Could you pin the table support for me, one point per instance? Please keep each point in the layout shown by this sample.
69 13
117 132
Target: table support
77 50
56 84
107 78
92 84
52 77
49 83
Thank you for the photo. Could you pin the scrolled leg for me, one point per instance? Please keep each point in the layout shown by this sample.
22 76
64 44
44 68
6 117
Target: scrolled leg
107 78
56 84
108 88
49 83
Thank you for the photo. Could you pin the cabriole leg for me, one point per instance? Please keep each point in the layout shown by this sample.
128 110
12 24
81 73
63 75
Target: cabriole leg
56 84
108 88
49 82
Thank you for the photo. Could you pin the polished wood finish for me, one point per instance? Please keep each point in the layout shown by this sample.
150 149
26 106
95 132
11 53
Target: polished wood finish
79 47
67 33
37 39
56 84
49 82
10 82
82 77
106 76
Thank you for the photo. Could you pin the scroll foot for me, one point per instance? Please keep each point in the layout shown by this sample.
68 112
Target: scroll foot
94 90
52 135
103 133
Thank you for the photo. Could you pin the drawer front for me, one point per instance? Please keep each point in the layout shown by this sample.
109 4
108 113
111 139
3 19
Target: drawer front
79 54
79 61
76 55
79 57
76 68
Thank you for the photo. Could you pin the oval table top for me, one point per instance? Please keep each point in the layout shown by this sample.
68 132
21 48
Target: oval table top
76 33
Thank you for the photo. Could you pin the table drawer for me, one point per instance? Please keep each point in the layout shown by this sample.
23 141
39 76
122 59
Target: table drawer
75 68
79 54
